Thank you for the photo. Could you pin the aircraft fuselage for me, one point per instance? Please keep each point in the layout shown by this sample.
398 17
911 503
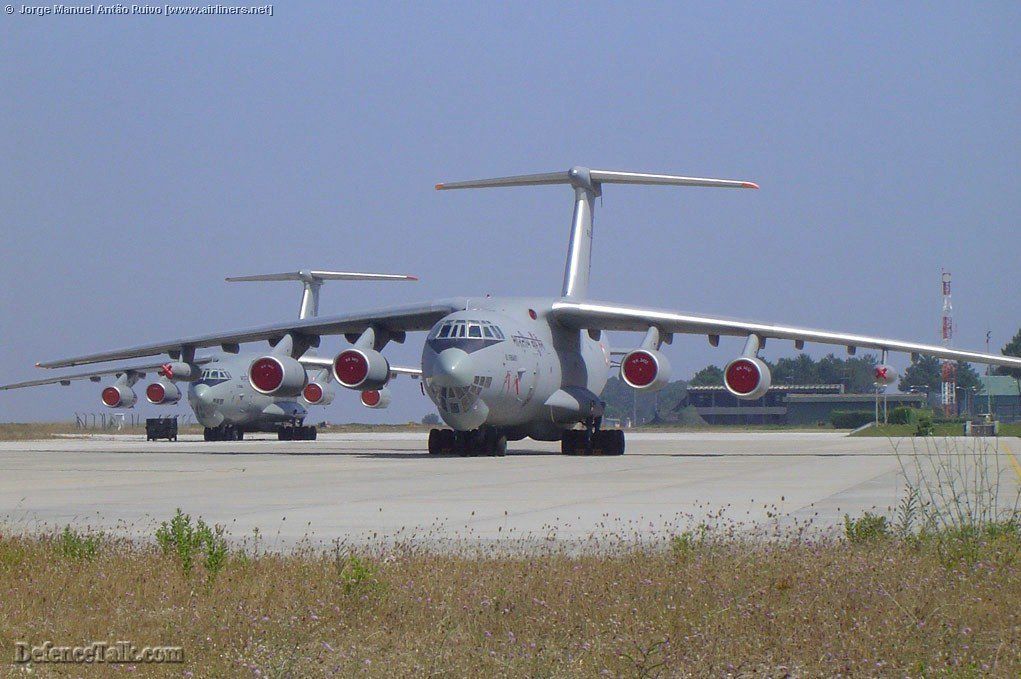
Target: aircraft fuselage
500 362
224 396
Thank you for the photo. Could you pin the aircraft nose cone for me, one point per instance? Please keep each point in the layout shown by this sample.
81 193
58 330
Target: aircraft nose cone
453 368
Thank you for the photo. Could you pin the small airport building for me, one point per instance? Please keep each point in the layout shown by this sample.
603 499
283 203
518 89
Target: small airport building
807 404
999 395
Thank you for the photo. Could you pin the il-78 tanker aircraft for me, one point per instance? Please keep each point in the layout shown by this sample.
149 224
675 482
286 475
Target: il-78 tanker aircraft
502 368
219 390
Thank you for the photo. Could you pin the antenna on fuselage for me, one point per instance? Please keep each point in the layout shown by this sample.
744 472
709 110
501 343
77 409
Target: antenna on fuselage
313 280
587 187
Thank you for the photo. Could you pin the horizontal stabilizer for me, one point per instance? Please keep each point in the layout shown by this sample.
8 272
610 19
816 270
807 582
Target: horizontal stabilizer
588 185
312 280
315 276
577 176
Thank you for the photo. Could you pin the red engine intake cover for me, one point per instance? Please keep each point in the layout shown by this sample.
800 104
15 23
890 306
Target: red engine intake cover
371 398
351 368
743 376
155 393
313 393
640 368
111 397
266 373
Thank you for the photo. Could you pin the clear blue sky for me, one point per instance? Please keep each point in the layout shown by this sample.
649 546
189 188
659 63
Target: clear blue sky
145 158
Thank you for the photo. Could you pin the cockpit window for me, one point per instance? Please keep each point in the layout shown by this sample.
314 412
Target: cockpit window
468 330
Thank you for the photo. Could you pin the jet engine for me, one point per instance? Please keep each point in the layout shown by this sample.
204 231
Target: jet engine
376 398
317 394
747 377
277 376
118 396
884 374
162 393
363 369
645 370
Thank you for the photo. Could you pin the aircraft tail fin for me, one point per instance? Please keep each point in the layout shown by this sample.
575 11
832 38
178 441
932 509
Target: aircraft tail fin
587 186
313 279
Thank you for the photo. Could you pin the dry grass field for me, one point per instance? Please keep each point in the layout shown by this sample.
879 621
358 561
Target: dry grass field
696 605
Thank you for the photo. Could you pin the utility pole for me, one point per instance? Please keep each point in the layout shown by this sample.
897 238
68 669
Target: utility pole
949 368
989 372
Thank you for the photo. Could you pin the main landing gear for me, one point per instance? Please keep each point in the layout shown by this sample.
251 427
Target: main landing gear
297 433
592 441
484 441
225 432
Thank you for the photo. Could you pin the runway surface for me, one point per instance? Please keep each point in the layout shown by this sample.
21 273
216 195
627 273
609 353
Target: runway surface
361 488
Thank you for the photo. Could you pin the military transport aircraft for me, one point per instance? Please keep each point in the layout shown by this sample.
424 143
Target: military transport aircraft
502 368
219 390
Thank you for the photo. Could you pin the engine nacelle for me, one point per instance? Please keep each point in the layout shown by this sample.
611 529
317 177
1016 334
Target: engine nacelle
747 378
118 396
363 369
645 370
884 375
277 376
376 398
178 371
317 394
162 393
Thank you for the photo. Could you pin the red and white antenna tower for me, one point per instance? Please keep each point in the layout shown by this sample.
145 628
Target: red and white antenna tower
949 368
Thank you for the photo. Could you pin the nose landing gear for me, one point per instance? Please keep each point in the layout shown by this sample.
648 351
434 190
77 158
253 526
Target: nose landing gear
483 441
296 433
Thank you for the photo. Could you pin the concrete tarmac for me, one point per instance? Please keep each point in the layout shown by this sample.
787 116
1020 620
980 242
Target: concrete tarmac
363 488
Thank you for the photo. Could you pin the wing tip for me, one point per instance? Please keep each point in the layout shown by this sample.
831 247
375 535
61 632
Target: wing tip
440 187
411 278
749 185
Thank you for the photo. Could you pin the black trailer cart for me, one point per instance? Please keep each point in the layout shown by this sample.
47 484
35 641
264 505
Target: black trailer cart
161 428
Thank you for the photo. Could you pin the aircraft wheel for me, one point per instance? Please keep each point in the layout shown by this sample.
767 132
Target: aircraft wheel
618 449
434 441
313 434
205 434
284 434
488 438
240 435
448 441
501 446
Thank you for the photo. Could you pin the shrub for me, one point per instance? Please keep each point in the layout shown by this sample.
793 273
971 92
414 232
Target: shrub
187 542
843 419
355 573
78 546
900 415
866 529
924 426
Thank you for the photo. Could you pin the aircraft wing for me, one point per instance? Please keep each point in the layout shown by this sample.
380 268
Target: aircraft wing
95 375
327 364
608 316
417 317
